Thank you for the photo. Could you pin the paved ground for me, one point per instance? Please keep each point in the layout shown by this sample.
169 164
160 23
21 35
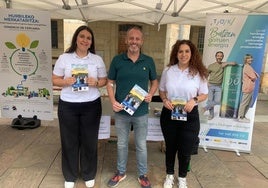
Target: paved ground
31 159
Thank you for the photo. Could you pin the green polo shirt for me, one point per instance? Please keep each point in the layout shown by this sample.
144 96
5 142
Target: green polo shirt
126 74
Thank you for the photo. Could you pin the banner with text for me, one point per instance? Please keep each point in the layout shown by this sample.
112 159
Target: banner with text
25 64
236 36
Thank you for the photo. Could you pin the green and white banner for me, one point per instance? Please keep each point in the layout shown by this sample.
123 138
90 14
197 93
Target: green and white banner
234 35
25 64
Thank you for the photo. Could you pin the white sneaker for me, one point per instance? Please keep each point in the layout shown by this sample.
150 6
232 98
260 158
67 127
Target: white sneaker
210 117
169 181
68 184
203 110
182 183
90 183
244 120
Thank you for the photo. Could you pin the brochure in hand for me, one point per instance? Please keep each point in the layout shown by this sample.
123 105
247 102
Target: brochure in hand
80 72
178 112
134 98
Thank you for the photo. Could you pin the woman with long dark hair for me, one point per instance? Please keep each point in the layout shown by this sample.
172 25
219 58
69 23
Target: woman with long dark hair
184 81
80 72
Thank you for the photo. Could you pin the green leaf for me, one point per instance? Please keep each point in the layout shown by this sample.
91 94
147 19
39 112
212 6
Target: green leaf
10 45
34 44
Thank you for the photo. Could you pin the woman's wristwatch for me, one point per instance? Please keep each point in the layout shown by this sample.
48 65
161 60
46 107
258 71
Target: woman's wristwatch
195 100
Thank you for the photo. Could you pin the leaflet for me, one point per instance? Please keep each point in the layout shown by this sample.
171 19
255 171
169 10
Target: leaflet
80 72
134 98
178 112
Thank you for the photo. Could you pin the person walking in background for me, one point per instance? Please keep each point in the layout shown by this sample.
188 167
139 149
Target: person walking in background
126 70
185 77
79 111
215 71
248 84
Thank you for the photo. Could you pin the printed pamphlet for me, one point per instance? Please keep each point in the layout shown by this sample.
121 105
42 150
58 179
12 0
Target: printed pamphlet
178 112
134 98
80 72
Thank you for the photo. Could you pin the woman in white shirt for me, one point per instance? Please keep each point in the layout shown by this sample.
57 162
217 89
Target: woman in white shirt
183 80
80 72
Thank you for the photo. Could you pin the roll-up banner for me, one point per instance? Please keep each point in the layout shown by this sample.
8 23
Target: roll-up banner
25 64
237 36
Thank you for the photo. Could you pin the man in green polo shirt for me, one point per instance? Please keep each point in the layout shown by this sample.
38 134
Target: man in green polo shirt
126 70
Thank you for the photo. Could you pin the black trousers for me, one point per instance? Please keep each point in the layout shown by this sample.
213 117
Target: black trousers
79 127
180 138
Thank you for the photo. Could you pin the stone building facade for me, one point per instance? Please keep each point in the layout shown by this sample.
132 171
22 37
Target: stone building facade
158 41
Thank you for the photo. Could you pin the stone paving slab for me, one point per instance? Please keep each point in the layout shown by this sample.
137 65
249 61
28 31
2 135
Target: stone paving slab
211 169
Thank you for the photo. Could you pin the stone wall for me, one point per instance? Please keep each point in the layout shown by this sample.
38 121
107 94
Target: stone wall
106 34
158 42
264 83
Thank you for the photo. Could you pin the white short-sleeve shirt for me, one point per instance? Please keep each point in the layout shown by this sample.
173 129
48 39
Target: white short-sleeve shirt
178 83
96 69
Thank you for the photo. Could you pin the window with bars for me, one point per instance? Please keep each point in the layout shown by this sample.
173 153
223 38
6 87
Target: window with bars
54 34
201 38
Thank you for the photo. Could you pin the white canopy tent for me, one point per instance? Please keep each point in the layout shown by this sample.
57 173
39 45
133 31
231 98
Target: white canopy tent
154 12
